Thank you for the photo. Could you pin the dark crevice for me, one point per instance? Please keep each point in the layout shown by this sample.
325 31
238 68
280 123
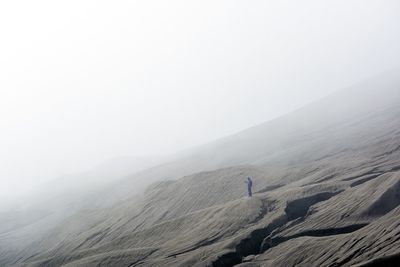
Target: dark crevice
364 180
312 233
248 246
388 261
369 176
387 168
299 207
396 168
365 175
252 245
267 206
228 259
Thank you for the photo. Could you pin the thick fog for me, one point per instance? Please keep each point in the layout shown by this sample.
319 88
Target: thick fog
82 82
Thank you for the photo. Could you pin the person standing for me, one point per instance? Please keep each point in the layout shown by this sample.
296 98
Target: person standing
249 183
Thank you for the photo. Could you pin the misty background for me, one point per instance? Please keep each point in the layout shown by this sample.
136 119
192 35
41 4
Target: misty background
83 82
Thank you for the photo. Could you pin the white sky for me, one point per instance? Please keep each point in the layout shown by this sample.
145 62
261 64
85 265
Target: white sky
83 81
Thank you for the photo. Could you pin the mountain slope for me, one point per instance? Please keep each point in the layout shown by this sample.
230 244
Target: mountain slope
326 176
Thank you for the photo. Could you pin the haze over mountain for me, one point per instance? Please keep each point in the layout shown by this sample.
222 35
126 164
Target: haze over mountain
128 131
327 193
85 81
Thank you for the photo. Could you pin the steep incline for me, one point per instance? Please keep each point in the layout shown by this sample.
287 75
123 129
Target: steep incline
327 181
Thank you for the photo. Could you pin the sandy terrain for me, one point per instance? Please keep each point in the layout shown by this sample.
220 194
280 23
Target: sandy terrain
327 193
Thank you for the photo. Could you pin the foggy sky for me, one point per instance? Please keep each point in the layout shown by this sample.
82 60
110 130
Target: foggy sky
84 81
